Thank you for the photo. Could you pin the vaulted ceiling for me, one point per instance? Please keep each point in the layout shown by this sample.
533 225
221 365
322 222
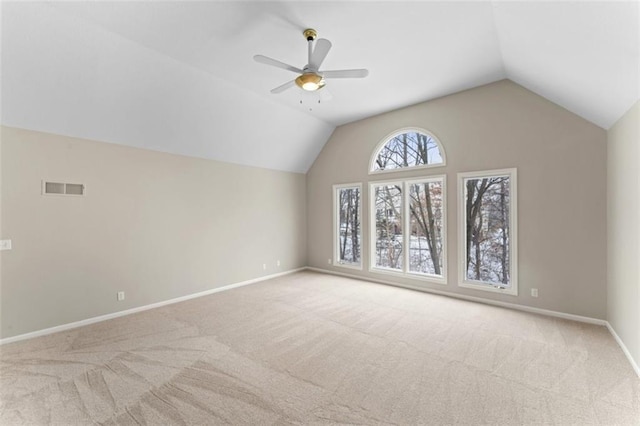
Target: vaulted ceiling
179 76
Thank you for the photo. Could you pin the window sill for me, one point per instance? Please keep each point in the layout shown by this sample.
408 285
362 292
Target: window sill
432 279
349 265
478 285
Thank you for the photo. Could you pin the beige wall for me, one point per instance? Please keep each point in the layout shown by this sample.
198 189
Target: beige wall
154 225
623 175
561 163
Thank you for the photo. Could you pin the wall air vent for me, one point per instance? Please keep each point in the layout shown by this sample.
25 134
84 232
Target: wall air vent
60 188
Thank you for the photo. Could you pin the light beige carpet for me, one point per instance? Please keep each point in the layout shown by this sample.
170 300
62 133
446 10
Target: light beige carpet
311 348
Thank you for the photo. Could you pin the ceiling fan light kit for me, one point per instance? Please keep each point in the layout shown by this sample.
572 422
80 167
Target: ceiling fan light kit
310 77
310 82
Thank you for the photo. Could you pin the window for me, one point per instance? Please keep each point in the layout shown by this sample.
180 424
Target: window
408 228
347 227
388 239
408 148
426 224
488 230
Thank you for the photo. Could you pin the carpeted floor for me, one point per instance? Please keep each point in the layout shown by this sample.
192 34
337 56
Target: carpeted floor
310 348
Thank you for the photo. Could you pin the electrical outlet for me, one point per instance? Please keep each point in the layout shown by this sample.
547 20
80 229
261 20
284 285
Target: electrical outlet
278 263
120 296
264 266
328 261
534 292
5 244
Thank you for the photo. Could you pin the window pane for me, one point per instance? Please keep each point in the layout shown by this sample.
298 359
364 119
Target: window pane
488 235
388 238
408 150
349 225
425 221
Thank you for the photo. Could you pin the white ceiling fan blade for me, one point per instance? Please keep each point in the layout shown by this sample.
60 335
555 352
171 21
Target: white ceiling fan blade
283 87
319 53
273 62
345 73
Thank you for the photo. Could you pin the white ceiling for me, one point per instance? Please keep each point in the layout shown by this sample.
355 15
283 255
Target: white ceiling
179 76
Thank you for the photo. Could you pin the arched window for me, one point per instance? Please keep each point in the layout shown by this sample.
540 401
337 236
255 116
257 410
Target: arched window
407 148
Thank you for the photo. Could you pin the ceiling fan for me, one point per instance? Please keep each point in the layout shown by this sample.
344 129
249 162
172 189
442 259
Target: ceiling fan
311 78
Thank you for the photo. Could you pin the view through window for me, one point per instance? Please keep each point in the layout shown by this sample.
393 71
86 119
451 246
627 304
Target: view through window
487 206
408 235
408 149
348 233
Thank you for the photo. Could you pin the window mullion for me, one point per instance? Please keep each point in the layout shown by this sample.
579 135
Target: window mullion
406 231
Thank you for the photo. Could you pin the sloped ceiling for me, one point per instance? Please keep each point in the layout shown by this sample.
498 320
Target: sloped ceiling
179 76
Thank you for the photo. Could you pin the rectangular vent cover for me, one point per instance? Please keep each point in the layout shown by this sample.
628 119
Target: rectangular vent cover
59 188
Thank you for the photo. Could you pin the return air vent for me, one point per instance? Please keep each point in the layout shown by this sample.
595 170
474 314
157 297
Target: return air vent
59 188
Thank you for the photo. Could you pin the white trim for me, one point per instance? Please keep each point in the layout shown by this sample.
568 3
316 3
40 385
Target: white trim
101 318
407 169
540 311
513 228
617 338
514 306
336 231
398 132
434 279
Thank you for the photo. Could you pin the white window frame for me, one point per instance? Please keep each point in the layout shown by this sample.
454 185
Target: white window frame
513 229
383 142
405 272
336 230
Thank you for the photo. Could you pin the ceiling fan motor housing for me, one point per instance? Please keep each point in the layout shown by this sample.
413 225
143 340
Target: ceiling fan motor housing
310 34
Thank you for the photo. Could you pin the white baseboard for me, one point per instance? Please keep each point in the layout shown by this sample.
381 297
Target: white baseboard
632 361
547 312
540 311
100 318
470 298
